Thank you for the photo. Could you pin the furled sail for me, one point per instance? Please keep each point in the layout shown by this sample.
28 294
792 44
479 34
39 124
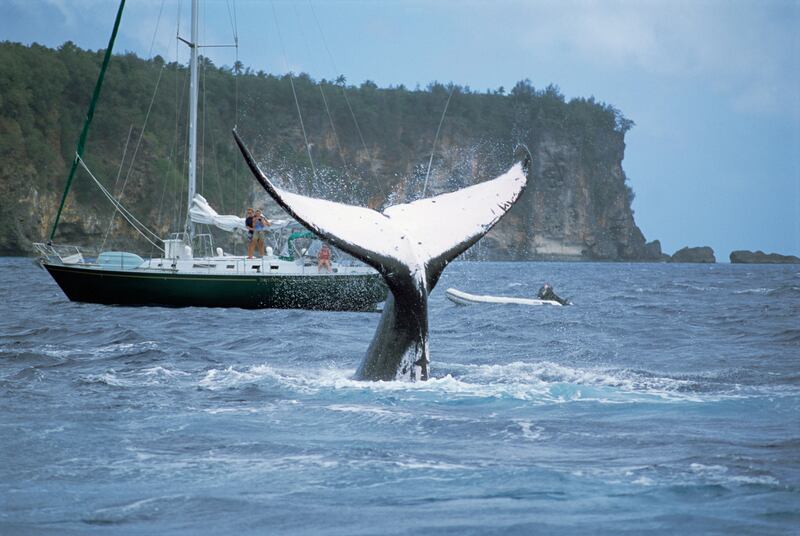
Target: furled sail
202 212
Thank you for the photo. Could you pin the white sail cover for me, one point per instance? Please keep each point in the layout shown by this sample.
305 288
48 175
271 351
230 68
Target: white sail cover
201 212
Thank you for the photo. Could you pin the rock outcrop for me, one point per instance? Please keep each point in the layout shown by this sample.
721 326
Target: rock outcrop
744 256
702 254
653 253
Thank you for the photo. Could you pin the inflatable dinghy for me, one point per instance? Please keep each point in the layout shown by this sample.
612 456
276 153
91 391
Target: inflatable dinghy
463 298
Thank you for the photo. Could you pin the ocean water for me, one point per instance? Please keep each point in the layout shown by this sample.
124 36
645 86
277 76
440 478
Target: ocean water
666 400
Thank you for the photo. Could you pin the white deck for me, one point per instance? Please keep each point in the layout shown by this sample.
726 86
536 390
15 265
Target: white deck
258 266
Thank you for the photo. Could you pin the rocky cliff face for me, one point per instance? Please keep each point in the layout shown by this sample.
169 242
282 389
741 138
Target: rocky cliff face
575 208
572 209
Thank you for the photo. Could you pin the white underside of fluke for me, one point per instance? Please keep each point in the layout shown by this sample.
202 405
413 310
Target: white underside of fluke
413 233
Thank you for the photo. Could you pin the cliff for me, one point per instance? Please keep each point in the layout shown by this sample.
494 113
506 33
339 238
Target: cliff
577 204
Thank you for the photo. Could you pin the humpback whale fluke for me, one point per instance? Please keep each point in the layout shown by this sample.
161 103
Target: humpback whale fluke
409 245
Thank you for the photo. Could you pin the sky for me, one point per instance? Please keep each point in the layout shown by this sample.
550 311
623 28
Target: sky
713 86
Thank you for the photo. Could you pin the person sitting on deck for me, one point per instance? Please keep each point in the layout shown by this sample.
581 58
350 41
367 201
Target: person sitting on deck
324 258
547 293
260 224
251 242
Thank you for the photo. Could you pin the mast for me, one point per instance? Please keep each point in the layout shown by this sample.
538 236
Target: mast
193 90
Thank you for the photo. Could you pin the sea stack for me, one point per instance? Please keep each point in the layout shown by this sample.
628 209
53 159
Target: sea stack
743 256
702 254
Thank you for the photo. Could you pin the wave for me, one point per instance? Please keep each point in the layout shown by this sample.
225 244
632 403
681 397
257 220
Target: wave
552 373
758 290
120 349
147 377
110 379
785 290
720 474
680 478
538 383
790 336
695 287
165 507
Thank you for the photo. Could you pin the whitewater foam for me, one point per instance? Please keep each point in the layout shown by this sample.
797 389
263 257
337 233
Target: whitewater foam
541 383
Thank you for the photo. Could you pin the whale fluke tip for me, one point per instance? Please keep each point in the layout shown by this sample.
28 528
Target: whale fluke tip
523 154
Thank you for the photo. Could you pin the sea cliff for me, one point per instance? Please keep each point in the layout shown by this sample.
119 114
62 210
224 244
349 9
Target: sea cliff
577 205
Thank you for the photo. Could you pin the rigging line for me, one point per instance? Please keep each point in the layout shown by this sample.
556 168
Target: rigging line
238 164
178 104
234 25
155 30
179 160
218 174
124 211
294 92
231 20
344 92
238 161
433 149
333 130
136 150
177 113
324 100
180 97
236 69
179 190
124 153
116 181
183 191
136 224
130 130
202 160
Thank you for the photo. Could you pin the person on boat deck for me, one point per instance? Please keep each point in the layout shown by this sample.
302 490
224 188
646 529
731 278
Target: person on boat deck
547 293
260 224
324 258
251 242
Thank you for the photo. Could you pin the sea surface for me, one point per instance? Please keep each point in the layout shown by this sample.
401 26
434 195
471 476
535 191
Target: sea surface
666 400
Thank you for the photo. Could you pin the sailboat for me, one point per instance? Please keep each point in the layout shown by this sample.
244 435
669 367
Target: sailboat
191 272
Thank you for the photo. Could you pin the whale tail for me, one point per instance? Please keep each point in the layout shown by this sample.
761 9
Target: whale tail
410 244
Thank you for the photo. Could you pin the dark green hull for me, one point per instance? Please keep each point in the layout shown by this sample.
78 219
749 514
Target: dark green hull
330 293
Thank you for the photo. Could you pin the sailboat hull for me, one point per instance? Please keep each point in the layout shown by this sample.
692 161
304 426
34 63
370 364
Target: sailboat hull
124 287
